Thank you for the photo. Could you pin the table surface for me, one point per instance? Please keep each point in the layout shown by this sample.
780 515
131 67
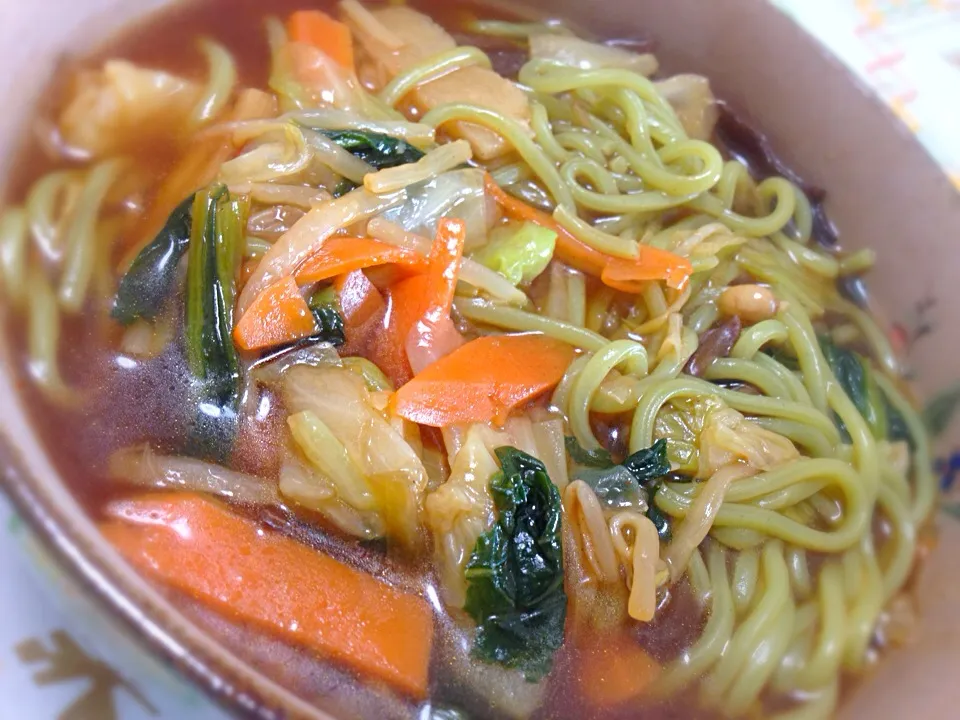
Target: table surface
61 658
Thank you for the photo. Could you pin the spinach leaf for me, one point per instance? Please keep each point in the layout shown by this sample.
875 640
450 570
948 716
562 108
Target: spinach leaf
515 573
855 376
598 458
649 464
624 486
380 151
149 281
216 244
326 311
343 187
659 519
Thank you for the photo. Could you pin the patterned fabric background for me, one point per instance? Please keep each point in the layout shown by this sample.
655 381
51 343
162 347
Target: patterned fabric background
61 658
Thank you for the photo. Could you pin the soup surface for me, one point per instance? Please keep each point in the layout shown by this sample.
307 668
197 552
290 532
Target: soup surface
445 365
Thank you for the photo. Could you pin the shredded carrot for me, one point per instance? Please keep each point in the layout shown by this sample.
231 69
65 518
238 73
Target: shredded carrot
277 316
614 669
339 255
254 575
407 302
652 263
483 380
446 256
316 28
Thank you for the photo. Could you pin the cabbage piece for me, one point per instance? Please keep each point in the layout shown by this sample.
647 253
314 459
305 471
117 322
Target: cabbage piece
728 438
458 194
693 101
123 103
518 251
337 426
461 509
585 55
309 488
680 422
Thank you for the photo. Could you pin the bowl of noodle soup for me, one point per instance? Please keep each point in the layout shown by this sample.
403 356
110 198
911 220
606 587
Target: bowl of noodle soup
434 361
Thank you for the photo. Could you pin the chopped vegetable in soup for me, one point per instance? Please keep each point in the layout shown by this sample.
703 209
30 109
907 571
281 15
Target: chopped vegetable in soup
447 365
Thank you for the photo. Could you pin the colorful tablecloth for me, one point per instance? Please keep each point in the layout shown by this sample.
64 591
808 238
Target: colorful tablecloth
60 657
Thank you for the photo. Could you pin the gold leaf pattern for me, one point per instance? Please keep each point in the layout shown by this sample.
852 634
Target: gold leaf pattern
63 660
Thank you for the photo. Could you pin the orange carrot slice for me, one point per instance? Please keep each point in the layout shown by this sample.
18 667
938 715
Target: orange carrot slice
483 380
651 264
339 255
446 257
407 302
615 670
277 316
296 593
316 28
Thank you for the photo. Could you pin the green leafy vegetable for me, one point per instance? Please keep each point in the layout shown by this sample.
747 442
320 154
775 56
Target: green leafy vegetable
855 375
380 151
326 311
625 485
343 187
598 458
216 243
659 519
149 281
518 251
515 574
940 411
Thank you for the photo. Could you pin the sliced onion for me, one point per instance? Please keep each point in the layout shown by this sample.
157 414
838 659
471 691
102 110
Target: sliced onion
334 119
574 52
301 196
434 163
309 233
141 467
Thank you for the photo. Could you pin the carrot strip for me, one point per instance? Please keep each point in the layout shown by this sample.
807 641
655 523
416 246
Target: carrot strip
277 316
446 257
407 302
483 380
652 264
339 255
626 275
256 576
615 670
316 28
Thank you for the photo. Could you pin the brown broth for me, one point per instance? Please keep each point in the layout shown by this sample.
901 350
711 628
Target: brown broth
128 402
